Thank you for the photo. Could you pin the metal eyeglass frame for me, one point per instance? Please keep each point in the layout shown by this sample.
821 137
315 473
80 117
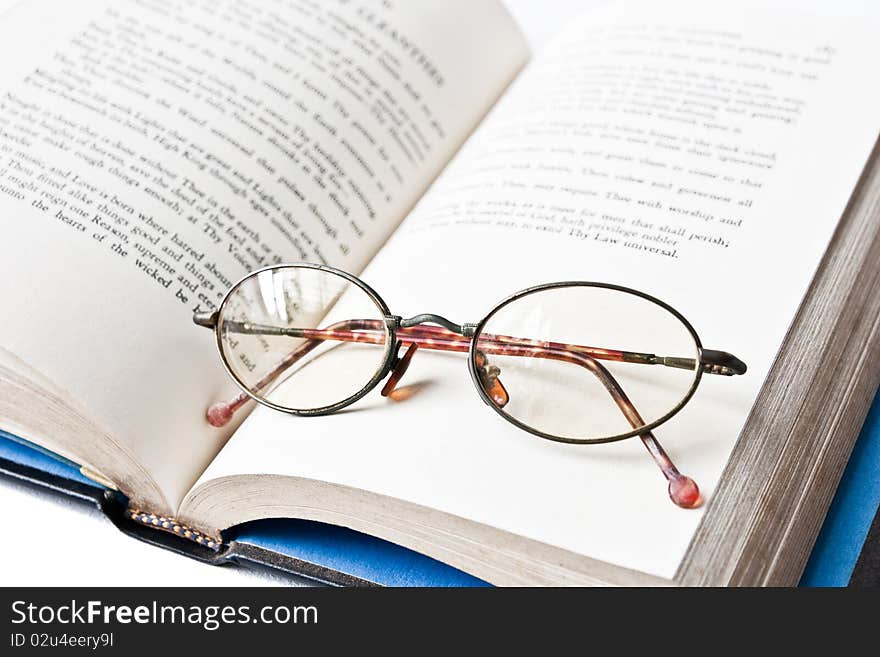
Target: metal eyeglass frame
453 337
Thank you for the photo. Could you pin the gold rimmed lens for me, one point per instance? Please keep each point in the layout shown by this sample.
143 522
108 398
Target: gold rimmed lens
301 338
585 363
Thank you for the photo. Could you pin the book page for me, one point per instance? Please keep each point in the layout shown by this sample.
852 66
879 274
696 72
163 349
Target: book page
701 153
152 152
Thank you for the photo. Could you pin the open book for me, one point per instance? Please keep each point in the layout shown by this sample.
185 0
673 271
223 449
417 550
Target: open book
153 152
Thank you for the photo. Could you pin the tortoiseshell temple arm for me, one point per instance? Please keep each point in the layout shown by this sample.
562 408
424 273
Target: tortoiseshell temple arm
435 337
682 489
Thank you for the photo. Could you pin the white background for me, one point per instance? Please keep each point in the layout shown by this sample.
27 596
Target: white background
48 540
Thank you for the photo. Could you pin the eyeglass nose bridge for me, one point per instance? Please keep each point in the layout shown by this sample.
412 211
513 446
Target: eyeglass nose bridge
466 329
398 364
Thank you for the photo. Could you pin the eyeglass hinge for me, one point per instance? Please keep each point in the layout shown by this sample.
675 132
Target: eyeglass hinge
468 330
208 318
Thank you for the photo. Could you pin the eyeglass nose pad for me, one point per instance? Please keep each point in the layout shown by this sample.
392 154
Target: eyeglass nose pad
489 380
399 369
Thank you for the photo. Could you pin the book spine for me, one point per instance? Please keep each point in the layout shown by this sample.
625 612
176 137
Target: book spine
172 526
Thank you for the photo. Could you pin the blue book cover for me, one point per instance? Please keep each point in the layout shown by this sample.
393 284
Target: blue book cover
849 518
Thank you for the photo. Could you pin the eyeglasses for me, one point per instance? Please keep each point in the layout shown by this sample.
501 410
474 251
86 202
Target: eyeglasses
573 362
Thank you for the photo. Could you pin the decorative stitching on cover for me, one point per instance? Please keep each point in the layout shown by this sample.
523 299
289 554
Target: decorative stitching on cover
171 526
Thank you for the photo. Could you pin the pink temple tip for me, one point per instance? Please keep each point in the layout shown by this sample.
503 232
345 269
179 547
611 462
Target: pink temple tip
685 492
220 414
